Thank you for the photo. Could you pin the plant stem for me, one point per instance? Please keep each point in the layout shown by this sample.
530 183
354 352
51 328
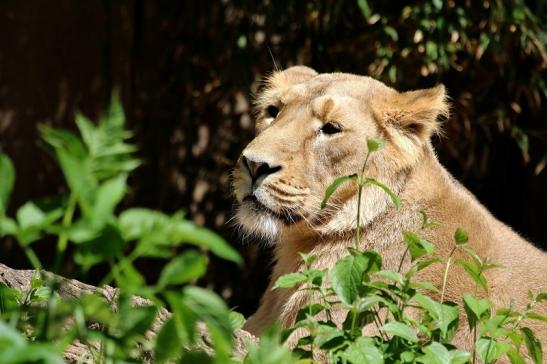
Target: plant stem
358 229
474 344
62 241
360 184
33 258
402 260
445 276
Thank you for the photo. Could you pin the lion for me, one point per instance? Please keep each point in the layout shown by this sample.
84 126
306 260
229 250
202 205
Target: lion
312 128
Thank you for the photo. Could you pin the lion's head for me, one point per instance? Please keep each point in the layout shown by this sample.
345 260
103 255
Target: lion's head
312 128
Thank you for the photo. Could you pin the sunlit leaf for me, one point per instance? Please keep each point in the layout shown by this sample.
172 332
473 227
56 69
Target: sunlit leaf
394 198
289 280
533 345
334 186
401 330
476 308
184 268
416 246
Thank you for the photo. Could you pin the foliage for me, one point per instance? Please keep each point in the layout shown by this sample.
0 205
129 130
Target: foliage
409 326
38 325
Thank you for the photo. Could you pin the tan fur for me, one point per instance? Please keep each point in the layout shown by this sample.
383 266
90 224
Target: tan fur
310 161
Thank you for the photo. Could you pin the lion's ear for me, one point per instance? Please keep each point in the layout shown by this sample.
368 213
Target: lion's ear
415 112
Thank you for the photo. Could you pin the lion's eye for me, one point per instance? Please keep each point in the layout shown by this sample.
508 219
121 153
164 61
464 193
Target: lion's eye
272 111
330 128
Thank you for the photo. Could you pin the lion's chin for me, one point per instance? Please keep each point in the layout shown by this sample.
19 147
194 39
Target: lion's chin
258 223
257 219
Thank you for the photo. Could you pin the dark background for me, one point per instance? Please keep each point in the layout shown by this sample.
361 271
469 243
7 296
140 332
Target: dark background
186 71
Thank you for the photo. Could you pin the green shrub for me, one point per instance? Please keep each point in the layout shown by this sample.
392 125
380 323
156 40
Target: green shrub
38 325
370 295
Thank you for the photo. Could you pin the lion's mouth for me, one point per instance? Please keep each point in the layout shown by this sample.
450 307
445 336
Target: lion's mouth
286 216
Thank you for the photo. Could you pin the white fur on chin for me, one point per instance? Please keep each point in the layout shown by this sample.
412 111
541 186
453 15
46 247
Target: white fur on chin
259 224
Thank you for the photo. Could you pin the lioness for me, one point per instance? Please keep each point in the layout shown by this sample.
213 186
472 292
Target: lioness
311 128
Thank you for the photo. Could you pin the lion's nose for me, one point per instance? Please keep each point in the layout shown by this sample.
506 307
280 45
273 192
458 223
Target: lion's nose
257 168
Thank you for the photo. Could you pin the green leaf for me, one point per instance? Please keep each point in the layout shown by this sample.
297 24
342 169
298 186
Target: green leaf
168 345
476 309
30 215
237 320
188 232
459 356
401 330
32 353
315 276
75 164
536 316
96 308
7 179
487 349
289 280
422 264
157 232
473 272
133 321
533 345
444 315
9 300
374 144
436 353
394 198
9 338
460 236
210 308
365 9
107 197
184 268
347 276
184 317
392 275
515 357
127 276
416 246
363 350
392 33
424 285
541 297
308 258
105 247
334 185
7 227
326 334
269 349
309 310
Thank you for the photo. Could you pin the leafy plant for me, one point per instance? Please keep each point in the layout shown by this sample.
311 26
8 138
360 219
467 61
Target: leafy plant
409 326
38 325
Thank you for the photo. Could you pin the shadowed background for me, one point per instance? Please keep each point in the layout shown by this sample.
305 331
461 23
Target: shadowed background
186 72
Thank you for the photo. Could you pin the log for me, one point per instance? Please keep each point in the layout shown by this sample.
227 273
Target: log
73 289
